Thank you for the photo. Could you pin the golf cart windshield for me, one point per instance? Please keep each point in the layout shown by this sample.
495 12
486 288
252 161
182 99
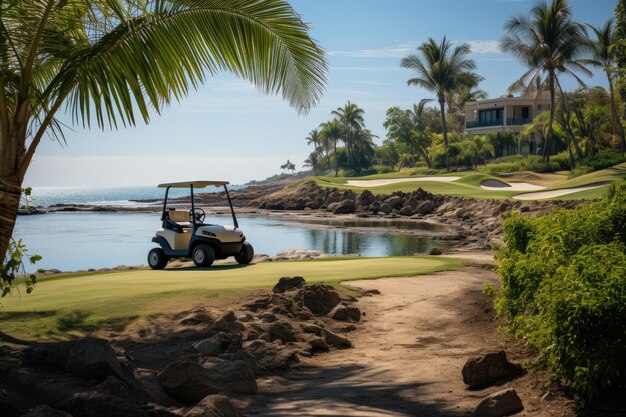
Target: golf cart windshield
195 185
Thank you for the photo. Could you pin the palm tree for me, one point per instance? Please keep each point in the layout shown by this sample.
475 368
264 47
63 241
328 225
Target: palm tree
463 96
479 147
601 48
111 62
549 42
314 138
332 132
443 69
351 118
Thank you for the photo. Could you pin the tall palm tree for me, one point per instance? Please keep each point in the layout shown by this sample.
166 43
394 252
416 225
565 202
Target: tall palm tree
550 43
442 68
601 48
351 118
332 132
314 138
112 62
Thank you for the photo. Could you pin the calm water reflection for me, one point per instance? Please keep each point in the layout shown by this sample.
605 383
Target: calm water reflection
71 241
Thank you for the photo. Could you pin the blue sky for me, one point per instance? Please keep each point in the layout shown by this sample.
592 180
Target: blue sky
227 130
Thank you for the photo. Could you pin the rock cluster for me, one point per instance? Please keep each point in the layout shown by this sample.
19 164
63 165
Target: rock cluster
479 220
486 371
210 359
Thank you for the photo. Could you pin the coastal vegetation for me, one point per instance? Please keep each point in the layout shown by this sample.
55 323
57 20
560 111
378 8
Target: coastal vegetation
71 305
113 63
563 290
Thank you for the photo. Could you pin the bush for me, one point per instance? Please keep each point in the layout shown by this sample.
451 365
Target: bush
564 289
604 159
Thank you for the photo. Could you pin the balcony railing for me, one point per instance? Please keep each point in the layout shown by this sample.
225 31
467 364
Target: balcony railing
518 122
470 125
509 122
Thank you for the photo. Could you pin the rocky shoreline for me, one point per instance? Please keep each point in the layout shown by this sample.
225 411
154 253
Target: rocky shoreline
473 223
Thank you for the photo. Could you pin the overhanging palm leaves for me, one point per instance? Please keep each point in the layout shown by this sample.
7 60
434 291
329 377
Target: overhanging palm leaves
113 62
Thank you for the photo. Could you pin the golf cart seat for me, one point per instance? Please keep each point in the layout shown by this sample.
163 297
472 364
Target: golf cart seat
174 218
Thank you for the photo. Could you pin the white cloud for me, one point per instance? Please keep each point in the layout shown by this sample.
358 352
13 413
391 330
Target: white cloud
369 69
397 51
367 82
485 46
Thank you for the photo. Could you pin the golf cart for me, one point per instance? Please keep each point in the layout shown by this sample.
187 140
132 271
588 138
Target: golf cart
185 235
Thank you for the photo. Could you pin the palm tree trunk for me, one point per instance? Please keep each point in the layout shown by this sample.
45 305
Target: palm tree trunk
617 124
444 130
548 139
335 154
426 158
10 193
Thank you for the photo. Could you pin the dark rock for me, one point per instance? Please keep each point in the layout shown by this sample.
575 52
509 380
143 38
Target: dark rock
312 329
214 406
97 404
157 410
318 298
425 207
342 207
385 208
229 323
282 331
346 313
347 329
268 317
187 381
231 377
318 344
482 372
244 357
395 202
407 211
435 252
375 207
499 404
45 411
219 343
288 284
270 356
90 358
118 388
373 291
337 341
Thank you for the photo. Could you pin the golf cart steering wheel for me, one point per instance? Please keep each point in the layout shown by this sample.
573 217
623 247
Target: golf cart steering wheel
198 214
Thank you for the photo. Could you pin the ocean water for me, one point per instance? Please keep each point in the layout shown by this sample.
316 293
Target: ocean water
111 196
72 241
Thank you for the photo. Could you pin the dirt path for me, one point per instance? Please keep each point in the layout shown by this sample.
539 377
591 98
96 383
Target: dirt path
407 355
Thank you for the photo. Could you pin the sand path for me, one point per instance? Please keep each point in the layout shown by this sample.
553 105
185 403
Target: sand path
495 185
378 183
407 354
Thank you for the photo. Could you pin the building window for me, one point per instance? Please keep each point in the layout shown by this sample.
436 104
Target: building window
490 117
525 113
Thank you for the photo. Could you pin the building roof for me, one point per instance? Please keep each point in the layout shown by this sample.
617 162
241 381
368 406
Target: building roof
196 184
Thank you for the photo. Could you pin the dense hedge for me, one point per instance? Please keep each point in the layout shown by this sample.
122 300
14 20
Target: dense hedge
559 162
564 290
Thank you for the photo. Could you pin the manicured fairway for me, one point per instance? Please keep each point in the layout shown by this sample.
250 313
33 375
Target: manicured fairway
66 306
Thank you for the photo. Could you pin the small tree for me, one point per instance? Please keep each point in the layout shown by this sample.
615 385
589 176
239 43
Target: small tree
288 166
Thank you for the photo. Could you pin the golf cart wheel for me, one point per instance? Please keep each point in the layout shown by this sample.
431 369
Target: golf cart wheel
246 254
203 255
157 258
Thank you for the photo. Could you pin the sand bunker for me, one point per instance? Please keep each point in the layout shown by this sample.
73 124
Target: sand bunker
496 185
557 193
378 183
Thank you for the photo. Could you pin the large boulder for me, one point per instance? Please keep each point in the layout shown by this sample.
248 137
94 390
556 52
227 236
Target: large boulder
395 202
229 323
333 339
425 207
346 313
219 343
214 406
385 208
97 404
270 356
90 358
366 198
281 330
499 404
187 381
45 411
288 284
342 207
231 377
320 299
482 372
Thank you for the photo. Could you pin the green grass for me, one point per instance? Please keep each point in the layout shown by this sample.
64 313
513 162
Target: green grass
469 183
64 307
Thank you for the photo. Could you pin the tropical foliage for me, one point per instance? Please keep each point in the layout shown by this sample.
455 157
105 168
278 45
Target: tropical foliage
443 69
564 290
112 63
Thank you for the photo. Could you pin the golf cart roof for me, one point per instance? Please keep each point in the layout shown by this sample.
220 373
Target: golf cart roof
196 184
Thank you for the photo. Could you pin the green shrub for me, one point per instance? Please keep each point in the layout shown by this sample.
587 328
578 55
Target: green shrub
563 288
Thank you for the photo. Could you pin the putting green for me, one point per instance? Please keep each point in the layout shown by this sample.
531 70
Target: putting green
63 307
